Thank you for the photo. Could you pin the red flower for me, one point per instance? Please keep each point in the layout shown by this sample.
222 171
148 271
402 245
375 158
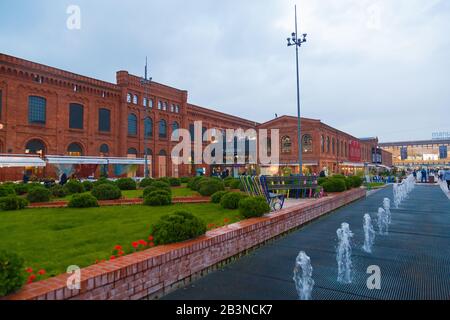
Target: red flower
31 278
118 247
41 272
151 244
142 242
29 270
135 244
150 238
226 220
120 253
112 258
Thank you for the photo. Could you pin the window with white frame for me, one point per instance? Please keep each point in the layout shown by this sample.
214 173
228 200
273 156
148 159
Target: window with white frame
135 99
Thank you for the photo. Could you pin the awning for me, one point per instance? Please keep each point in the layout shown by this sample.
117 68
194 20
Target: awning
75 160
140 161
352 164
20 161
305 163
383 166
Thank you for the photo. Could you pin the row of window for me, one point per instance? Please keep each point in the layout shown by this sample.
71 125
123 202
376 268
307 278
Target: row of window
148 127
146 102
37 114
286 144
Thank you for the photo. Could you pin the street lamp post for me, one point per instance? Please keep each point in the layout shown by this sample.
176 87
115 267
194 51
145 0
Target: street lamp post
146 83
297 42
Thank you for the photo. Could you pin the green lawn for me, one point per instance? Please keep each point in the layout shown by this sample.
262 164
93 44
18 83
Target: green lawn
52 239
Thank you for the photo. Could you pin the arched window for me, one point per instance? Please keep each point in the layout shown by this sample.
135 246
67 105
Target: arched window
307 143
76 116
338 145
162 152
132 152
345 148
286 144
132 125
104 150
333 145
148 127
35 146
135 99
322 143
37 109
149 152
175 127
74 150
162 128
129 98
328 144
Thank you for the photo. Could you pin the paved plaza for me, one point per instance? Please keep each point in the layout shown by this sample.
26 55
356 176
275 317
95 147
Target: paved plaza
414 258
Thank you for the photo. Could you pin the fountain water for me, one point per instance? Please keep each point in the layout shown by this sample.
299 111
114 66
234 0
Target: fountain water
401 190
304 282
344 254
369 234
387 208
382 221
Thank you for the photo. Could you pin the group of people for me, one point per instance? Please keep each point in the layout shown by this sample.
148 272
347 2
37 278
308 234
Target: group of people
444 175
424 174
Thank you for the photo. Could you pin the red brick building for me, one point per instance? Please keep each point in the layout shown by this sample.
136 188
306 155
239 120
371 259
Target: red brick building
49 111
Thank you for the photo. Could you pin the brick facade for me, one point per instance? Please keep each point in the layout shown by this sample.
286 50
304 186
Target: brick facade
20 79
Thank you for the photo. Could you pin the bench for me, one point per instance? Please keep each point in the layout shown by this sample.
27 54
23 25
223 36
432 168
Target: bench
296 186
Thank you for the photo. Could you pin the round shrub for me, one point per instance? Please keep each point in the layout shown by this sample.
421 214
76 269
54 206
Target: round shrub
83 200
253 207
12 276
185 179
334 185
217 196
10 203
164 179
357 181
39 194
194 183
157 186
88 185
103 180
208 187
126 184
58 191
235 184
321 180
158 198
7 190
231 200
146 182
106 192
227 181
73 186
20 188
175 182
176 227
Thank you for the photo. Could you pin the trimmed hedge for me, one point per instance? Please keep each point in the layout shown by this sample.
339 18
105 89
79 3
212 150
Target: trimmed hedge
334 185
39 194
208 187
11 203
176 227
158 198
146 182
217 196
103 181
106 192
235 184
87 185
253 207
20 188
194 183
231 200
126 184
58 191
73 186
227 181
185 179
157 186
12 276
175 182
83 200
7 190
357 181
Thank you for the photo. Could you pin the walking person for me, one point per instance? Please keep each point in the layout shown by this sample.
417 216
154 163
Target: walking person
424 176
447 178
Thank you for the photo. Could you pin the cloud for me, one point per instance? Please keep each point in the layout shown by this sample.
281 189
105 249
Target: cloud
370 67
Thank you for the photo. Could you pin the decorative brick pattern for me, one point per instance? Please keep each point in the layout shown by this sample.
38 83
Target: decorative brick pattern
157 271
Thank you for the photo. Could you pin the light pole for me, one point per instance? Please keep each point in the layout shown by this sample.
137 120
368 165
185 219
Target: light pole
146 83
295 41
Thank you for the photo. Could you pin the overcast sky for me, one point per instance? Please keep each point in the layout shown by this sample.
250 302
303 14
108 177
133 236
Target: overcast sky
370 67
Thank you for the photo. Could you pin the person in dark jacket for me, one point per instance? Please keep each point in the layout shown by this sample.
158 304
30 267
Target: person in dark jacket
63 179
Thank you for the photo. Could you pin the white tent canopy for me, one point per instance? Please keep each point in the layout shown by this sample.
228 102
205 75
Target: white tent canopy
94 160
16 161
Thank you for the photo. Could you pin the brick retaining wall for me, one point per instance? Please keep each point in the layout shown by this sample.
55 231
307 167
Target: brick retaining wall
160 270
